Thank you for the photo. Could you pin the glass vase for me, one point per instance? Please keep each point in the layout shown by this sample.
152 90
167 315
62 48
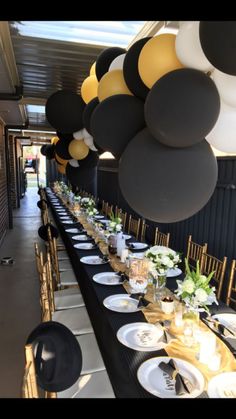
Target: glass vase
190 325
160 290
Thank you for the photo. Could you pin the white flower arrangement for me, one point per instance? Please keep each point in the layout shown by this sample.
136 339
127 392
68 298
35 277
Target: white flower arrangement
114 225
162 258
92 211
195 290
87 202
77 198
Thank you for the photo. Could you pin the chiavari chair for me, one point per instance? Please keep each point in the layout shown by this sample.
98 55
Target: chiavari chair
194 253
231 291
104 207
161 239
134 226
211 263
64 278
109 210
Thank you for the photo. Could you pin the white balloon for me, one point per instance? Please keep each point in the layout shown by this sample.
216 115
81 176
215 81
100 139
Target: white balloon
226 86
188 47
88 139
74 163
223 135
117 63
78 135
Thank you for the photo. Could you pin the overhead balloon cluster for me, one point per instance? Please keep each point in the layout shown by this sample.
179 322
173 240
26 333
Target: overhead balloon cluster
156 107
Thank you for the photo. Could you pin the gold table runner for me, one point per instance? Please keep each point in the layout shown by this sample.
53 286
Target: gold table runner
153 314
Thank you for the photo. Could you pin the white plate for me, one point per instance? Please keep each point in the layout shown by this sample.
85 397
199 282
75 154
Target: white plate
98 217
92 260
122 303
68 222
227 319
84 246
141 336
138 246
139 255
157 382
173 272
82 237
126 236
58 206
107 278
222 385
72 230
67 217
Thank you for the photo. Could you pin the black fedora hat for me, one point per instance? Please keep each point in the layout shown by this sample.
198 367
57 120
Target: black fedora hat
42 203
57 354
43 231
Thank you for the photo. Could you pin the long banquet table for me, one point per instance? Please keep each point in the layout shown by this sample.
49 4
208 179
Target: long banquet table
121 362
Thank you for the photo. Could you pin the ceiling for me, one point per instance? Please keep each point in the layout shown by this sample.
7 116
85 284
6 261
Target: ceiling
42 66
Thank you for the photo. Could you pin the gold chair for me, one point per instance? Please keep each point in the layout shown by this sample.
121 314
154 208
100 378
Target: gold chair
194 252
231 292
29 386
65 278
104 207
161 239
134 226
210 263
144 227
109 210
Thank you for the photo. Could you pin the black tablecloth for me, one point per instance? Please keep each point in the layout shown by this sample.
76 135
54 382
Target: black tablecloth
121 362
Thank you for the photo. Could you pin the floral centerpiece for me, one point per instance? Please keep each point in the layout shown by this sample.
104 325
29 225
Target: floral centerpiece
114 225
87 203
162 258
195 290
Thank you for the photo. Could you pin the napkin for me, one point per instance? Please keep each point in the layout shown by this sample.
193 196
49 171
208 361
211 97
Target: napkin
123 276
105 258
142 301
182 385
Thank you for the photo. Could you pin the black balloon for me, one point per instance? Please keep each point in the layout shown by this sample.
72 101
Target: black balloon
115 121
90 161
80 176
50 151
43 231
64 110
61 149
42 204
89 108
182 107
166 184
130 69
64 136
218 43
43 149
105 59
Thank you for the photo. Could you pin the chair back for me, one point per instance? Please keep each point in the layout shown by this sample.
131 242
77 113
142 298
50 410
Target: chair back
209 264
29 385
122 215
143 229
194 253
161 239
134 226
231 292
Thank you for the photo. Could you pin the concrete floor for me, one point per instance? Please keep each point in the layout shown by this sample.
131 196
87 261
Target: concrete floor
19 293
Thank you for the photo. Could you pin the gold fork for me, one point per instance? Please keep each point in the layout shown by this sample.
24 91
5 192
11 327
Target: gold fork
230 393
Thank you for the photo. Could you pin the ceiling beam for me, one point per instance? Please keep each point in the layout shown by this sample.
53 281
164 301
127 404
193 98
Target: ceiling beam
150 28
6 49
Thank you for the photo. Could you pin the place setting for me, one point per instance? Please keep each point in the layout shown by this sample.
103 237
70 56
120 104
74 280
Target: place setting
142 336
82 237
94 260
109 278
74 230
222 386
85 246
136 246
122 303
167 377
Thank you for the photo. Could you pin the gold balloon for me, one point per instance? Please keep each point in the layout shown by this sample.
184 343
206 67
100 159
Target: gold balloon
92 69
61 161
78 149
61 169
54 140
89 89
157 58
112 83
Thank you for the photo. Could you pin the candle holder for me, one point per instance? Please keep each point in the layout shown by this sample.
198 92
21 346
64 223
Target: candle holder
138 274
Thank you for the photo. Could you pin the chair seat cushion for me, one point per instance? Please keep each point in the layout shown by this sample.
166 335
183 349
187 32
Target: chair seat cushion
65 265
76 319
92 359
65 301
68 278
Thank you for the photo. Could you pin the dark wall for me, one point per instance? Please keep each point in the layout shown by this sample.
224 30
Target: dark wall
215 224
3 186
